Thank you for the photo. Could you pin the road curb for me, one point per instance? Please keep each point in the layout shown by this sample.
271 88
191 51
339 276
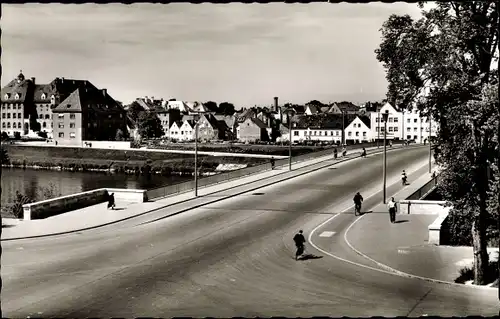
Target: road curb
214 201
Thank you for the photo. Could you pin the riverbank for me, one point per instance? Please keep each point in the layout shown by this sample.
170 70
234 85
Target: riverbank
137 162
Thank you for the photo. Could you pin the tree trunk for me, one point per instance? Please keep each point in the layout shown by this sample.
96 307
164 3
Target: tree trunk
480 253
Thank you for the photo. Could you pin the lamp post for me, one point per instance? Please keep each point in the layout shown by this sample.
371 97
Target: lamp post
197 119
378 131
430 144
290 113
385 116
343 128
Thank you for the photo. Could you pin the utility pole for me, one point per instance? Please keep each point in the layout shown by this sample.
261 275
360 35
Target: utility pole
196 159
430 144
385 116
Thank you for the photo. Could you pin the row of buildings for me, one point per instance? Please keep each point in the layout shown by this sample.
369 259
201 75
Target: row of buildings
74 112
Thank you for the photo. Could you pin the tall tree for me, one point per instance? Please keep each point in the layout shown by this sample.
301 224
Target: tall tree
226 108
150 125
134 110
442 63
211 106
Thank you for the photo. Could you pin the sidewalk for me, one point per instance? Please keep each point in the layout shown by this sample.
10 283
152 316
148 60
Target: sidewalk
403 246
98 215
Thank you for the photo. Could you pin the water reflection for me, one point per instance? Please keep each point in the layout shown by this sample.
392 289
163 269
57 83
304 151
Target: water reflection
29 181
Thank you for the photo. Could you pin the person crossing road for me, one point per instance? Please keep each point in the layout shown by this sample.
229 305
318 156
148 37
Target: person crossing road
358 199
299 240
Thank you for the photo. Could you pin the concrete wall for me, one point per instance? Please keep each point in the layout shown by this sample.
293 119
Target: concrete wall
63 204
422 207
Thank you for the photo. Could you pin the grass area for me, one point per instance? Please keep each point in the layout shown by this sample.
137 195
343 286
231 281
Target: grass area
467 273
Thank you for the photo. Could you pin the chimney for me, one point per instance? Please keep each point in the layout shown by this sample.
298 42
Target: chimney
104 92
276 104
33 80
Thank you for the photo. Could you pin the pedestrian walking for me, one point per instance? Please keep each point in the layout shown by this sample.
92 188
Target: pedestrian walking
363 153
272 163
111 201
299 240
392 210
344 151
335 153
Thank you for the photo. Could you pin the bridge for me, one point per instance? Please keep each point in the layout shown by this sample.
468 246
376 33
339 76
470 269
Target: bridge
231 253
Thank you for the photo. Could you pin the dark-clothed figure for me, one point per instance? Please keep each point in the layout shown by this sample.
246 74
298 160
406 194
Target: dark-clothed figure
272 162
363 153
299 243
393 208
358 199
111 201
344 151
335 153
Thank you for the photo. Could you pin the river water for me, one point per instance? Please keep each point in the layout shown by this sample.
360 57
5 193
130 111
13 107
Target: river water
31 181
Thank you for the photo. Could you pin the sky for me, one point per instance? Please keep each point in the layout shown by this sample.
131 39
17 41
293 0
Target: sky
240 53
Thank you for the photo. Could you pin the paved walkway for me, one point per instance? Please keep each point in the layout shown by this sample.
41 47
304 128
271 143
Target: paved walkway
403 246
98 215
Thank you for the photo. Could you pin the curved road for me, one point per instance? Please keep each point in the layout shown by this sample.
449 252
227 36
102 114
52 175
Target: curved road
232 258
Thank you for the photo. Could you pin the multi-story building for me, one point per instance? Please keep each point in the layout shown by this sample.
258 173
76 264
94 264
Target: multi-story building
358 130
27 106
88 115
402 125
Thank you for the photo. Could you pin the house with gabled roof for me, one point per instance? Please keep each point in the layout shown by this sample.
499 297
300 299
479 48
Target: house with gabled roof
312 109
358 130
253 130
394 123
179 105
174 132
88 114
209 128
317 129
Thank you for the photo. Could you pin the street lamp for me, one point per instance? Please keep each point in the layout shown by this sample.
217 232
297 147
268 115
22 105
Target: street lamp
197 119
430 144
343 128
385 117
290 113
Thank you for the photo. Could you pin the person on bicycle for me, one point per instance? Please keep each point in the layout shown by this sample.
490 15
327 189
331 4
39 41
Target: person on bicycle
358 199
299 243
404 178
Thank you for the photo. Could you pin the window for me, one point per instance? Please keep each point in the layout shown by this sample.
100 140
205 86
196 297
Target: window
390 119
71 125
8 124
338 133
52 125
415 121
44 125
382 129
61 125
13 115
72 135
182 132
396 120
331 133
315 132
6 96
391 129
14 125
357 133
8 107
8 115
40 116
16 96
295 133
3 124
408 129
47 117
44 96
320 133
408 137
60 115
414 129
72 116
377 120
396 129
19 115
61 134
408 120
349 134
377 129
364 134
3 115
326 133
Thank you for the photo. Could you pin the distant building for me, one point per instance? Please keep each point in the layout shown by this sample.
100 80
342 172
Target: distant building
88 115
17 106
253 130
358 130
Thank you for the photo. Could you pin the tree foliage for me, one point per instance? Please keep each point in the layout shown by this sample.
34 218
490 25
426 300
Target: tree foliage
150 125
134 110
211 106
226 108
443 64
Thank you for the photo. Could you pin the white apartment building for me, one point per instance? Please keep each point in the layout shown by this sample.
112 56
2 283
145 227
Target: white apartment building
407 125
316 134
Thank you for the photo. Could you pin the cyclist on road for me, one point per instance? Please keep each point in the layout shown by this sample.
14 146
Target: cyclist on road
404 178
358 199
299 243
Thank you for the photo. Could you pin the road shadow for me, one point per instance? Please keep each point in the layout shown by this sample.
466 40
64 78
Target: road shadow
309 256
119 208
401 221
332 168
258 193
364 213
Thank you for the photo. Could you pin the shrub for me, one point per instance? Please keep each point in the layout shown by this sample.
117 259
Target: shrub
467 273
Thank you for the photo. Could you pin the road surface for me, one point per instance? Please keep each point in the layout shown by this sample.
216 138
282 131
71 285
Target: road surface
231 258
